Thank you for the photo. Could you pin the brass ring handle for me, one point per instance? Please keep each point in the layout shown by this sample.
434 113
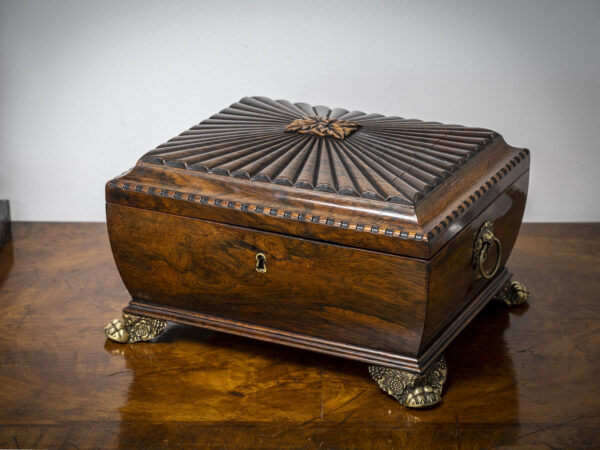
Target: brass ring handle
483 243
483 257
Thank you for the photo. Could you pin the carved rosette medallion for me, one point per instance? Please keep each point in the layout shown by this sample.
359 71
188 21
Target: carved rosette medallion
323 126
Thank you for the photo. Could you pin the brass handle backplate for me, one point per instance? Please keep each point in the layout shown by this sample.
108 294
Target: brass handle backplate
261 263
485 240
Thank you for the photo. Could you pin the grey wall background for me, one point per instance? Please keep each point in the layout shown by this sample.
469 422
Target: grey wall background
86 87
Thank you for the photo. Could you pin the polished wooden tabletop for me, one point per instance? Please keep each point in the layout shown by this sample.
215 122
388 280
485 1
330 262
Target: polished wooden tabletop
526 376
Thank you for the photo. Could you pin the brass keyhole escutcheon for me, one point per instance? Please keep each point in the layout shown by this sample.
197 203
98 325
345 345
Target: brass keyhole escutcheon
261 263
484 242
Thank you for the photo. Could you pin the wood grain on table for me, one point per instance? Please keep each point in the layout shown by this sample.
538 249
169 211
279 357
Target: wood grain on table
525 376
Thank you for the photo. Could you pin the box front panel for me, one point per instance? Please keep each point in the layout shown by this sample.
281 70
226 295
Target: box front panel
347 295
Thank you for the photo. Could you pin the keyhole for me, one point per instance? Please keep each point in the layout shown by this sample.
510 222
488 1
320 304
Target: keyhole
261 263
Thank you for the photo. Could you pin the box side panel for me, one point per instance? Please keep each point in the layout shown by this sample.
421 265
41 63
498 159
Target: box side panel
351 296
454 282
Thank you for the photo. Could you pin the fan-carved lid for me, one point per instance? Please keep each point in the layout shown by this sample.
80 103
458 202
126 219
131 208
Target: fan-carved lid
402 186
349 153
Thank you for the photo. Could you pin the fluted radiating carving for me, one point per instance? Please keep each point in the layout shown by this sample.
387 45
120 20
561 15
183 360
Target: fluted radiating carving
384 158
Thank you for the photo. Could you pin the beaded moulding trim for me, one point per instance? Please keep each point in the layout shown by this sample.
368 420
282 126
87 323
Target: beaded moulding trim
460 209
267 211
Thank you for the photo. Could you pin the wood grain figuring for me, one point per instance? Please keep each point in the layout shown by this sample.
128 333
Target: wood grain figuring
210 268
522 377
386 158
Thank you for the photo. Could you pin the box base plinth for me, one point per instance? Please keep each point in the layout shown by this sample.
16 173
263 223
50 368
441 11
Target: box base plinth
414 382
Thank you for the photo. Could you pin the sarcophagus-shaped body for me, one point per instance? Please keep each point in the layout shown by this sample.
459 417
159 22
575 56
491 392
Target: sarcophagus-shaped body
358 235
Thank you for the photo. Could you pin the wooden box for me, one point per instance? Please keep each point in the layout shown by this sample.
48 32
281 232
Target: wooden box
357 235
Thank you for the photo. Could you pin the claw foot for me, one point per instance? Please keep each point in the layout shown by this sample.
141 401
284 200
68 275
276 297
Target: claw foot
410 389
422 397
513 293
134 328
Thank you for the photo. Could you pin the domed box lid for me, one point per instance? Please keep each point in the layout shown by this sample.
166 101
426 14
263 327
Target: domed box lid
366 180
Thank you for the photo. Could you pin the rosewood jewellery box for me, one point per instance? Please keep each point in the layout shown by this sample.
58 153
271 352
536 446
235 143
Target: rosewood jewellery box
358 235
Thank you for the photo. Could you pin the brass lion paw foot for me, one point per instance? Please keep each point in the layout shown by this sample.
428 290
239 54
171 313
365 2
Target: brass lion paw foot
410 389
513 293
134 328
